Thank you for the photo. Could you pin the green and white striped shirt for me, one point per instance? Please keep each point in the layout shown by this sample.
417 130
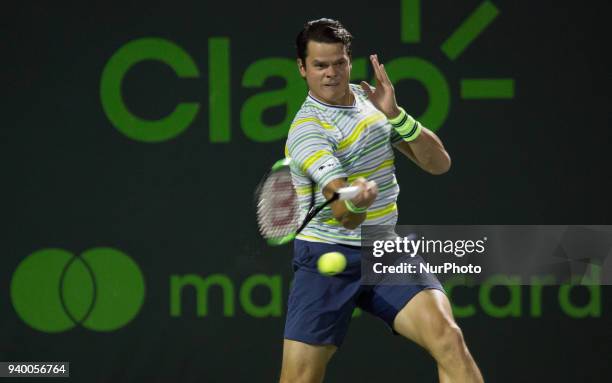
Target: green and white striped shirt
327 142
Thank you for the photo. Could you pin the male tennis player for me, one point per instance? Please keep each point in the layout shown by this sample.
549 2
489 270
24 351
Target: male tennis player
344 134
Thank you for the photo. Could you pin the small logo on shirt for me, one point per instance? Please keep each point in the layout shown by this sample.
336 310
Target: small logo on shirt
322 167
326 166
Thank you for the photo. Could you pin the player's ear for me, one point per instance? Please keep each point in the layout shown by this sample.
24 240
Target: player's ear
301 67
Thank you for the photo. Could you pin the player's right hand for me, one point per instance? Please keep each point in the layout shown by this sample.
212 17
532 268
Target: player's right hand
367 194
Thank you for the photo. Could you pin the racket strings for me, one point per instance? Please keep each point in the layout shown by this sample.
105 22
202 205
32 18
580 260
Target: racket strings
277 206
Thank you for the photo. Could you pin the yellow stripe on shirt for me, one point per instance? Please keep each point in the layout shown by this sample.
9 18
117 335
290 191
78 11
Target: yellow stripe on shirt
371 214
301 121
305 190
359 129
384 165
312 159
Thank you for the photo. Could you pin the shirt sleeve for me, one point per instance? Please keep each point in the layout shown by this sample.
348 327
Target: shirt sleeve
312 152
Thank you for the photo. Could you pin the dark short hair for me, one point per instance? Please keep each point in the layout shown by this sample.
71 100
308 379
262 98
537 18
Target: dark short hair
322 31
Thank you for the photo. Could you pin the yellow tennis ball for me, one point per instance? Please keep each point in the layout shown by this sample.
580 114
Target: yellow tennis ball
331 263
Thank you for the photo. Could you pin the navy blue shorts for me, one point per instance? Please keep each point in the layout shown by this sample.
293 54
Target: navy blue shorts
320 307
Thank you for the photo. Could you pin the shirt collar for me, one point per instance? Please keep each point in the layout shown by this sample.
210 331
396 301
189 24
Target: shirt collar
313 98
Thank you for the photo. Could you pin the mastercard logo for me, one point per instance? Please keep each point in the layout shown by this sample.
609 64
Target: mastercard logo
53 290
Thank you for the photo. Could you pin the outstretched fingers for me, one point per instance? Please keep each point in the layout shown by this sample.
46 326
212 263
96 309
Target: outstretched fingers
375 66
367 89
385 75
379 70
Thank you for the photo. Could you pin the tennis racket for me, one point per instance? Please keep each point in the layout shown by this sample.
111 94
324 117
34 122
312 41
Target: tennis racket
278 212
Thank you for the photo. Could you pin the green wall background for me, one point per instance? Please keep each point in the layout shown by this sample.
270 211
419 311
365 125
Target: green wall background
535 151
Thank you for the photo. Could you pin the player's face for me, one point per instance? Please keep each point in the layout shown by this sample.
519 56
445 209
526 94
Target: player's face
327 72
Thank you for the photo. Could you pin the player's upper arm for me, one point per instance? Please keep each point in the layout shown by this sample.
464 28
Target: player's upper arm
311 150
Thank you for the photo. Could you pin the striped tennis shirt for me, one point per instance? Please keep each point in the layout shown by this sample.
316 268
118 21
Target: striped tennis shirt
327 142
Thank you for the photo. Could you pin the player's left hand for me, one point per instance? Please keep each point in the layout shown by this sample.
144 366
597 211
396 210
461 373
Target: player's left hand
383 97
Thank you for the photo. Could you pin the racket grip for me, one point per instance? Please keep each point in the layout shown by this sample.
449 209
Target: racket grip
348 192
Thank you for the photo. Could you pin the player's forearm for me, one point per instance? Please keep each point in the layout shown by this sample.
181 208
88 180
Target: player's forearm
418 143
346 218
351 213
428 152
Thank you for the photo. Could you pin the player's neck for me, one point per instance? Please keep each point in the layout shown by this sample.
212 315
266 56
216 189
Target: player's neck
347 100
349 97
